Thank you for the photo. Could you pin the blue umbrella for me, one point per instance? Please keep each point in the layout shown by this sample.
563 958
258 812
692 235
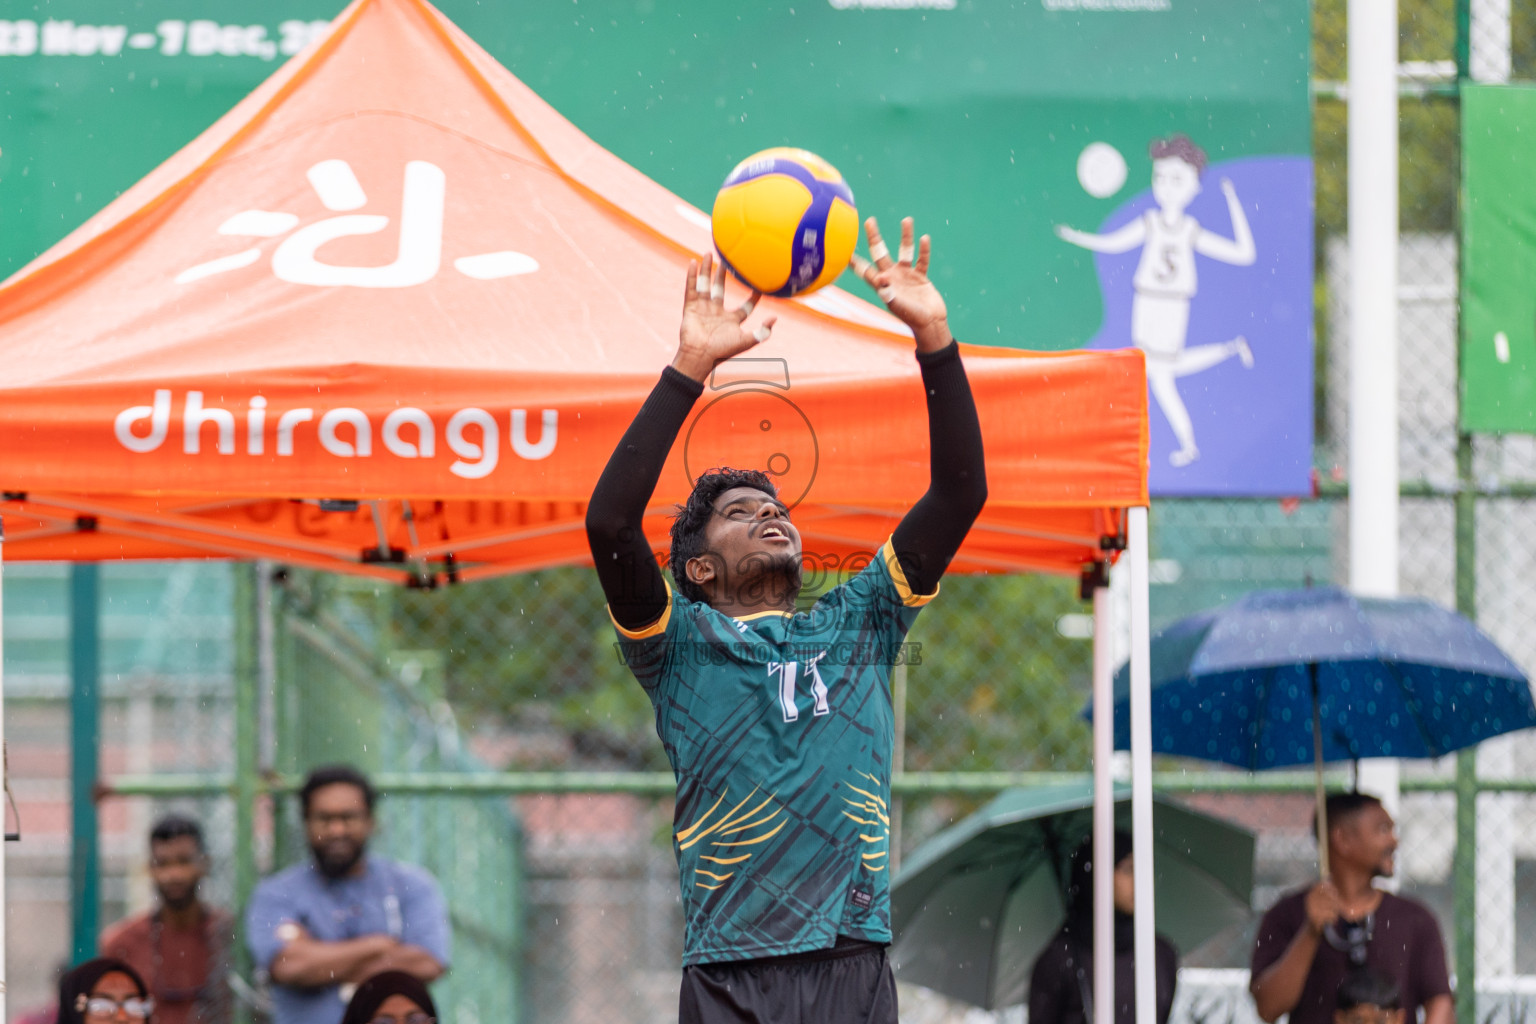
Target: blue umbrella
1287 677
1255 682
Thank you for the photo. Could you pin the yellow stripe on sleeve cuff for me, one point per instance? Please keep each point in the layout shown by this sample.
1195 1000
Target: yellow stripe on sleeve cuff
899 577
654 629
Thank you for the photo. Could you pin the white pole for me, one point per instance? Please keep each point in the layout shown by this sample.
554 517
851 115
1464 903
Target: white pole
1103 807
1373 458
1141 768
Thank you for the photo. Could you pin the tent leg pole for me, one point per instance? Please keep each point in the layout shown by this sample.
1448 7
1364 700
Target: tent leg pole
1465 865
4 808
1373 334
1373 241
84 755
1141 768
247 765
1103 807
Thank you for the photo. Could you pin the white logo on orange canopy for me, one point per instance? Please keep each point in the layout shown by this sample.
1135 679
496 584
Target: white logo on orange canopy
417 257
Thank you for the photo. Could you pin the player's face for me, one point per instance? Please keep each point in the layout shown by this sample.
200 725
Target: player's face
750 534
177 866
1174 183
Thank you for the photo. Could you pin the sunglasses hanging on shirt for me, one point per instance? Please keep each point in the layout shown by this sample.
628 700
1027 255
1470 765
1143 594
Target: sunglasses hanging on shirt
1352 937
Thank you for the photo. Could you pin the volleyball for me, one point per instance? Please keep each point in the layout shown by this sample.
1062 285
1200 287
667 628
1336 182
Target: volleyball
785 222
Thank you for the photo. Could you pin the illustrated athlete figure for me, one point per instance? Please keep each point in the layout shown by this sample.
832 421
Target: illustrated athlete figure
1165 278
778 725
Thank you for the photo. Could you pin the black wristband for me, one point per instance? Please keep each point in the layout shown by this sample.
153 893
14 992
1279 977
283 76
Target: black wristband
943 355
682 383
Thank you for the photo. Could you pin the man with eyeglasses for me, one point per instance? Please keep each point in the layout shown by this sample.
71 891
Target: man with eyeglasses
320 928
1311 940
181 947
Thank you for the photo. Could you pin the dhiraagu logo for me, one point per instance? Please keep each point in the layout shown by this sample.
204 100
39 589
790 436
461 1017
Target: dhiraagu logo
419 250
472 435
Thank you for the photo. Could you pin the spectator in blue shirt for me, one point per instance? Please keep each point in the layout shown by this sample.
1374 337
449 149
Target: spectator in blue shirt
321 928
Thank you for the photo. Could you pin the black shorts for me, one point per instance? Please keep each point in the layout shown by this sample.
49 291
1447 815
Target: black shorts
851 983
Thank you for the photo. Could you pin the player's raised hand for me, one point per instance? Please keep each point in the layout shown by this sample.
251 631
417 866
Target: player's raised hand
903 284
710 333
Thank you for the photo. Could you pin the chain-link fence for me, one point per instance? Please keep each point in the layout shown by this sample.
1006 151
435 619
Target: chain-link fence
340 692
166 708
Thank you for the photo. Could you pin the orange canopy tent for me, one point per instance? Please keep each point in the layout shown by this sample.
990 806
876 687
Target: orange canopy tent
391 314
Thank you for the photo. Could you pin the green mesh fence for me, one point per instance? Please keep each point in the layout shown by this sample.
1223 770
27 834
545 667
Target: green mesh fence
345 694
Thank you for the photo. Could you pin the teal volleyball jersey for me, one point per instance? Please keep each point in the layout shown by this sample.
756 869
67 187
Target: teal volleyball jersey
779 728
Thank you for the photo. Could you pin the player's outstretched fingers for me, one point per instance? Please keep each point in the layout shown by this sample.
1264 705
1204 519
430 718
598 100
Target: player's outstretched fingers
745 309
764 329
924 250
864 268
717 285
691 286
701 279
877 250
904 253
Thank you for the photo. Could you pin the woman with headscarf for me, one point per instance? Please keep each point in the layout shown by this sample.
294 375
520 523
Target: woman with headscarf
391 997
1061 984
104 991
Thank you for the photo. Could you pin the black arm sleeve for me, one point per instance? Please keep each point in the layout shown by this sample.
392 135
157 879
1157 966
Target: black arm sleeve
633 584
929 535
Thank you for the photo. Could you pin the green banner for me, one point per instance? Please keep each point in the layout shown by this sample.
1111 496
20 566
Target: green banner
1498 256
1019 134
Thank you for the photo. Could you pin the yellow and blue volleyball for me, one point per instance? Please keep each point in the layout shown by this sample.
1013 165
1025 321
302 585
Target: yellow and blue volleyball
785 222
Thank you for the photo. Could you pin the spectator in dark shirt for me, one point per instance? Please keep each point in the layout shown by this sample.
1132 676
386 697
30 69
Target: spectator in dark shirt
1061 983
1313 938
181 947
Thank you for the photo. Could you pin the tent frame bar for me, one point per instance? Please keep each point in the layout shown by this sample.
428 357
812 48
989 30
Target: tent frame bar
176 520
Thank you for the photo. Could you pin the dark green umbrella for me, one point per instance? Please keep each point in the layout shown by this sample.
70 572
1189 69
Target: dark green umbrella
975 905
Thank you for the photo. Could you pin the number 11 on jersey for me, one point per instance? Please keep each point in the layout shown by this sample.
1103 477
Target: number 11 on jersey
788 679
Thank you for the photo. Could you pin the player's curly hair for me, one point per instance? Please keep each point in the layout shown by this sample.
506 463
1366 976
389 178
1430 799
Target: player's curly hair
691 519
1181 146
